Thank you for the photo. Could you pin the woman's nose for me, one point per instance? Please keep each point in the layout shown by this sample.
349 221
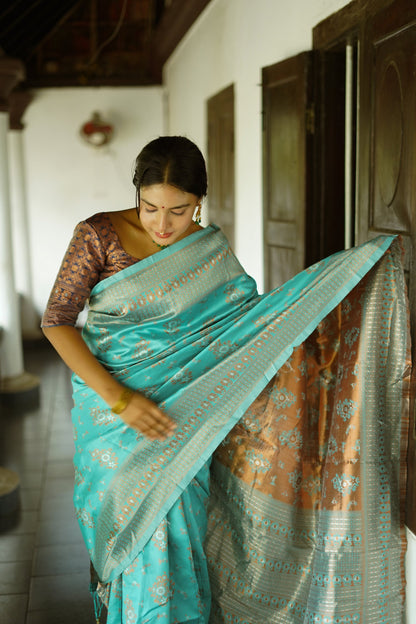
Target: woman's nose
163 220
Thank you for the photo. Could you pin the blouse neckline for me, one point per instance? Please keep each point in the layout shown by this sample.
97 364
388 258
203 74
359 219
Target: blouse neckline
117 239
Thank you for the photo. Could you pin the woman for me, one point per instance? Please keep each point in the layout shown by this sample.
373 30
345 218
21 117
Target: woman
177 349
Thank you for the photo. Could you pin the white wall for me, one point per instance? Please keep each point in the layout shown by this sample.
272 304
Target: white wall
230 43
69 180
411 578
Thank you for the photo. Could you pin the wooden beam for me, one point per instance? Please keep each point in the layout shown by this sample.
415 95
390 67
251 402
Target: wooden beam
337 26
176 20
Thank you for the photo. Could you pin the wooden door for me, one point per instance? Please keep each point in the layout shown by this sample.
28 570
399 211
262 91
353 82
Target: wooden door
388 151
221 161
288 128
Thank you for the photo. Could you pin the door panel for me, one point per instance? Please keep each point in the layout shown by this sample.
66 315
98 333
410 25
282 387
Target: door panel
221 161
287 183
390 208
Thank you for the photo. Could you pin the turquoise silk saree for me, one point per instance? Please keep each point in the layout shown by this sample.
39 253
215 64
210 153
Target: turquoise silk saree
279 498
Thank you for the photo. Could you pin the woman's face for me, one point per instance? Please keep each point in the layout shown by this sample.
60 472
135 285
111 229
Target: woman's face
166 212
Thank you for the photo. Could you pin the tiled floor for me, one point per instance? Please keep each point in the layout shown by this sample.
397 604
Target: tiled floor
44 567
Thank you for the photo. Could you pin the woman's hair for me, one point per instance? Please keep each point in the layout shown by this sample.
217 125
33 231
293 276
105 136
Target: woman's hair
173 160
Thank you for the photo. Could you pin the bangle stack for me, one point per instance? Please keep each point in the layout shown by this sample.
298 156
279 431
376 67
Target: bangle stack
123 401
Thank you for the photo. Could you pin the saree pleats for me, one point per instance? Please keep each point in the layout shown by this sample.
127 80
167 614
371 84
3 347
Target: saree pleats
306 488
168 580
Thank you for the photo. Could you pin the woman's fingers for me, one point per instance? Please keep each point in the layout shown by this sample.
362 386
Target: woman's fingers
152 427
145 416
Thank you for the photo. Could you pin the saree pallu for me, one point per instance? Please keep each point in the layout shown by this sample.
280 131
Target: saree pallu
303 395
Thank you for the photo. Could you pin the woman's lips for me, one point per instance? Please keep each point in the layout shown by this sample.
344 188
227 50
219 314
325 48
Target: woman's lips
159 235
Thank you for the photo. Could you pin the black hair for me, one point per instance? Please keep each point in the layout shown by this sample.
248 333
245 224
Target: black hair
173 160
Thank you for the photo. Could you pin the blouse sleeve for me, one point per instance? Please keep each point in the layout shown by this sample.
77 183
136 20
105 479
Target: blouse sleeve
80 270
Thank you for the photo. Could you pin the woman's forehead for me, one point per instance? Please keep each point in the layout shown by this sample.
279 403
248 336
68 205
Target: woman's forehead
165 195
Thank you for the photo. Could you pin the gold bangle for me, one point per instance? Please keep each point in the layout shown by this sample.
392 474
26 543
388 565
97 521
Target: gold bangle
123 401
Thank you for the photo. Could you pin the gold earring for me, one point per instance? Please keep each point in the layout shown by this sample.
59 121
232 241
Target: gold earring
197 217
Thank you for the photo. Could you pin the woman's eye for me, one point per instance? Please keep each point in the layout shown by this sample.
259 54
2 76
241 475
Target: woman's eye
178 213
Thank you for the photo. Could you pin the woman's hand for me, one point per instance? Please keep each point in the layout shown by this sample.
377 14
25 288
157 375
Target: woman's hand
141 413
144 416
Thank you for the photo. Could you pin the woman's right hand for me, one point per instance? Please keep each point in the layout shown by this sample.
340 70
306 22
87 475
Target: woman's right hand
144 416
141 413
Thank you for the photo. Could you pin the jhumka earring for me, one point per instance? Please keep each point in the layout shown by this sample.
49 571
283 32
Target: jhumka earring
197 217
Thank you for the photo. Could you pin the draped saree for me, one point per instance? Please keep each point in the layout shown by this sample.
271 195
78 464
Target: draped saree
295 402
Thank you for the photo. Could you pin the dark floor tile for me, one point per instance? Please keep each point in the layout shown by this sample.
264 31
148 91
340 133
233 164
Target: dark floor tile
21 459
62 406
62 422
62 431
58 469
63 401
57 508
13 609
33 429
61 438
73 614
9 521
28 448
61 559
31 478
16 547
48 384
22 522
64 450
57 488
30 499
21 406
66 531
15 577
60 591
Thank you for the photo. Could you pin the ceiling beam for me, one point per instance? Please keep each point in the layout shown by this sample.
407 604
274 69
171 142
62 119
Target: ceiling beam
176 20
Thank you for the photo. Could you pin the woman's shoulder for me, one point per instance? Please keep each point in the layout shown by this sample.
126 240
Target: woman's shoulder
96 230
99 224
111 218
94 222
97 220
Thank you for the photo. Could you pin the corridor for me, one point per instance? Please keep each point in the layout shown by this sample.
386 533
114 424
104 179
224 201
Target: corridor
44 566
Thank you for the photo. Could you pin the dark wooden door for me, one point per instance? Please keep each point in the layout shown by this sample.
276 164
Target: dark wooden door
221 161
288 128
387 141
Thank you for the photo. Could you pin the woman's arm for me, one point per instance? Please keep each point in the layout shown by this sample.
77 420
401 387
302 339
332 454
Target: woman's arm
140 413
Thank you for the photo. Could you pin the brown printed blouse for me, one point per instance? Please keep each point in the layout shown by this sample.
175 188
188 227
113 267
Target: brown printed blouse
93 254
